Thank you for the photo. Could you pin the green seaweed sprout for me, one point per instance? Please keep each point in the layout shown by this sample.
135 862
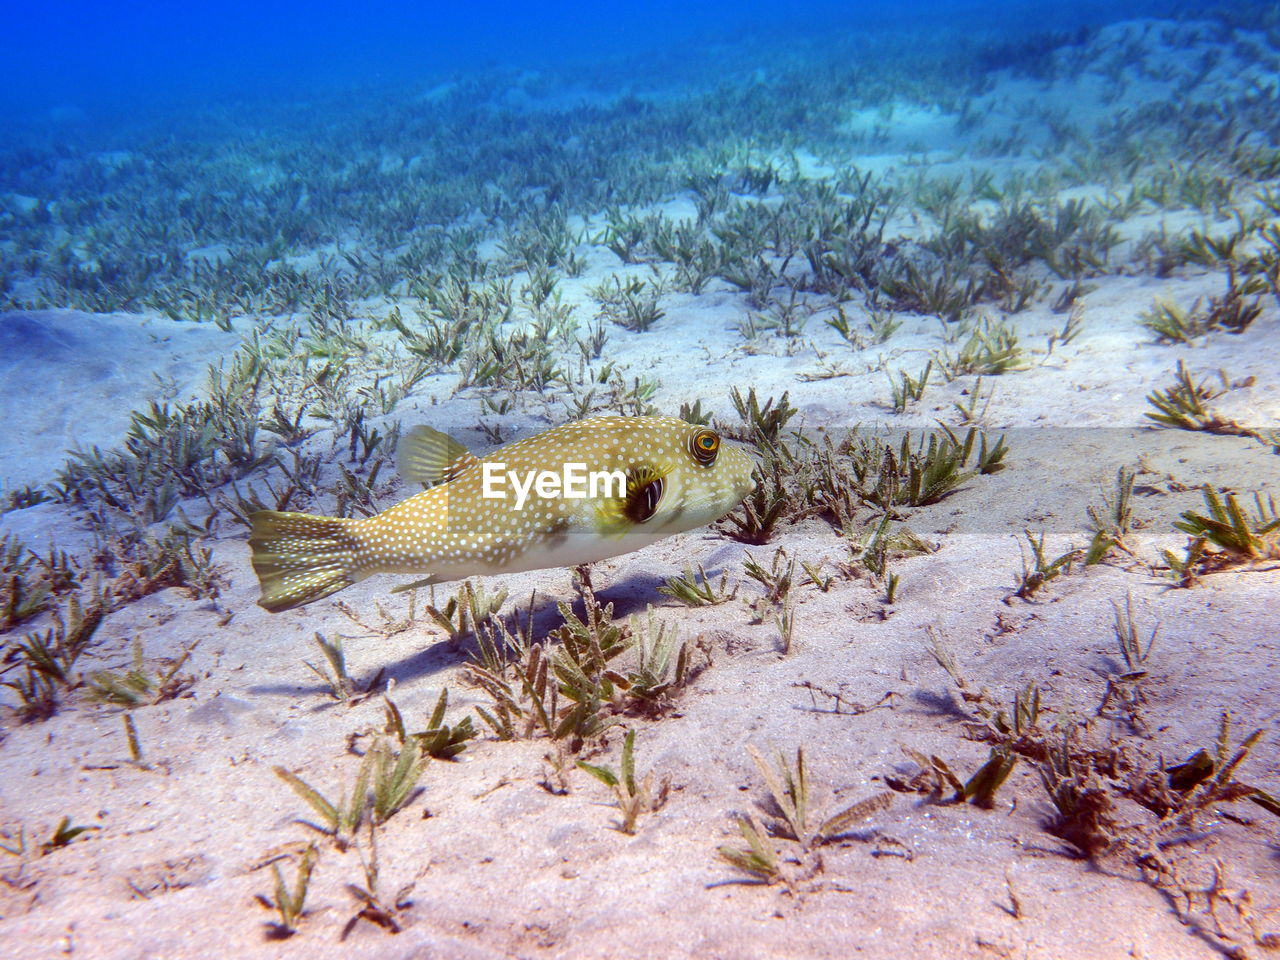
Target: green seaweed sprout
439 740
137 687
788 785
635 796
694 588
1225 536
290 904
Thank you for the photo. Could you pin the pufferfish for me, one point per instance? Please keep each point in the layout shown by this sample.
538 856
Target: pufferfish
574 494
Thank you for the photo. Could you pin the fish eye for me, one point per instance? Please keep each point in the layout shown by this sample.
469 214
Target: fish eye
705 446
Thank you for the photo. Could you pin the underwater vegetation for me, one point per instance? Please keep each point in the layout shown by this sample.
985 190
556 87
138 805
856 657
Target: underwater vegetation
859 267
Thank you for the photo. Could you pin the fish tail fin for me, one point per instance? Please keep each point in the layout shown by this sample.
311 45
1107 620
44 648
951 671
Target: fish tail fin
300 558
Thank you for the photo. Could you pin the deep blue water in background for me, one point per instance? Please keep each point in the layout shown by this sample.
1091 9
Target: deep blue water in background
103 60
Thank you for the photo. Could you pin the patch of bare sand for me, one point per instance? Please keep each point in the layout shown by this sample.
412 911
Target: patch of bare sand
69 380
502 867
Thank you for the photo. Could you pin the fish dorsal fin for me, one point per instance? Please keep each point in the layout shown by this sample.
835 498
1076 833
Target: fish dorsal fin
646 485
429 457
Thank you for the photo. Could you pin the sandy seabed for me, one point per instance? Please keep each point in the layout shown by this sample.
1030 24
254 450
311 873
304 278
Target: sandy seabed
503 865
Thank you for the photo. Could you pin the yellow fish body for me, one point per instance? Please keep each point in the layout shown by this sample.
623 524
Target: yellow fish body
574 494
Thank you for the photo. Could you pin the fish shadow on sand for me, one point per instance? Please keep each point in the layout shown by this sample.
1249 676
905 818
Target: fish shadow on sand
319 696
440 652
630 595
439 655
427 661
634 592
940 704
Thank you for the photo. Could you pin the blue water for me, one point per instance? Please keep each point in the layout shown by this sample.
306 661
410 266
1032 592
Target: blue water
64 60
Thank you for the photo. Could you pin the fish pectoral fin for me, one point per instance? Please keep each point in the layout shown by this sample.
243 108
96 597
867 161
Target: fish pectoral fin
646 485
429 457
424 582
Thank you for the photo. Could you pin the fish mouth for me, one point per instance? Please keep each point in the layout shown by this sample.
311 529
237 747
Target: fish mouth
702 510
